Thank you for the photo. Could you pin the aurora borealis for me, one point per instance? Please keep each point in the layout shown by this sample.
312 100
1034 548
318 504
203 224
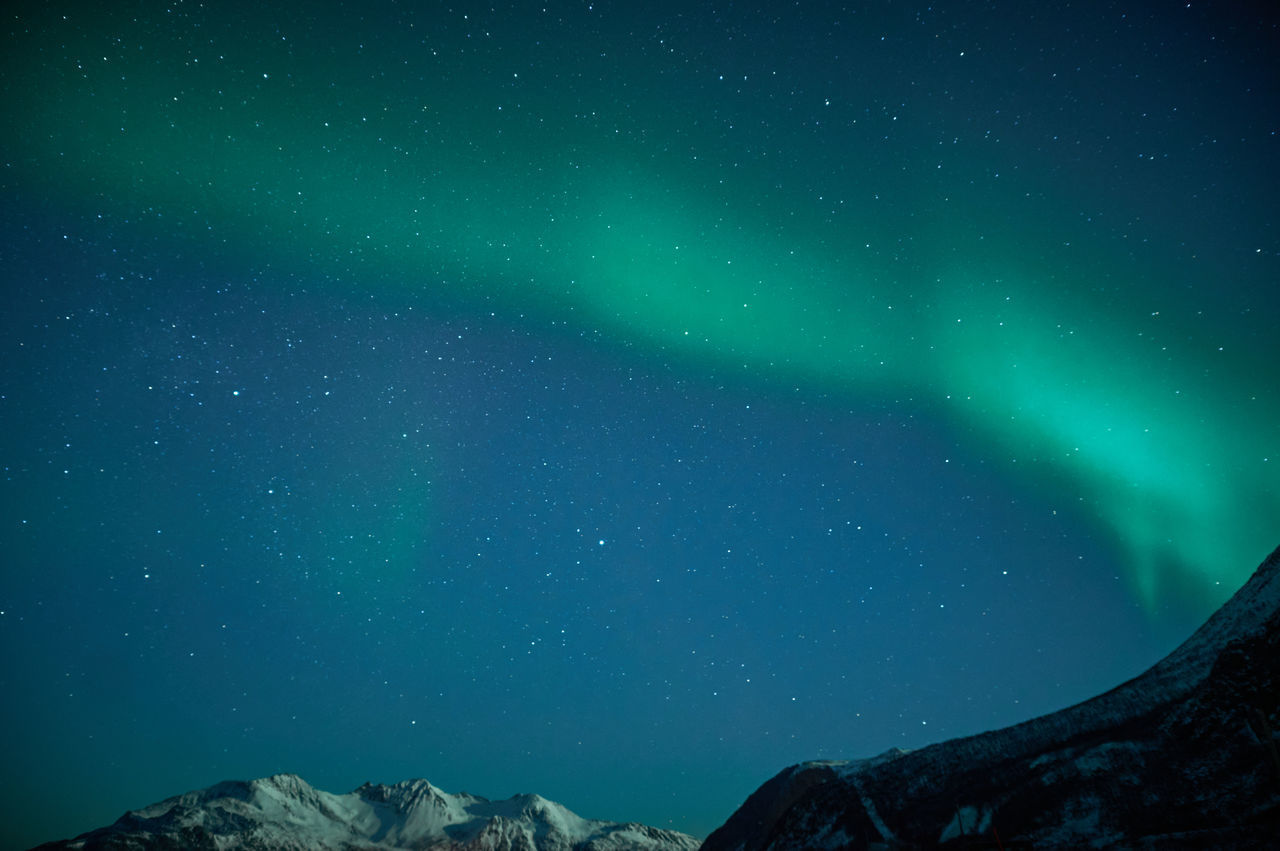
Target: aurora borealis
615 403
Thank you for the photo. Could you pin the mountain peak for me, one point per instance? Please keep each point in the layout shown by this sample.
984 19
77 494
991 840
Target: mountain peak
285 813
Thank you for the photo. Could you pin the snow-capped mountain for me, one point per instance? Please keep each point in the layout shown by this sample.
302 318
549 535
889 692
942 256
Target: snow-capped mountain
284 813
1185 755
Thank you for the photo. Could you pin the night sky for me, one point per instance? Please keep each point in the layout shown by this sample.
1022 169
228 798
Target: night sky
614 401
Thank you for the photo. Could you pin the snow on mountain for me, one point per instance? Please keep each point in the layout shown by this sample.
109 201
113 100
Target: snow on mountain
284 813
1185 755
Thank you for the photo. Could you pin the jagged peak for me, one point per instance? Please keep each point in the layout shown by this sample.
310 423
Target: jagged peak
283 811
418 787
534 802
285 782
406 794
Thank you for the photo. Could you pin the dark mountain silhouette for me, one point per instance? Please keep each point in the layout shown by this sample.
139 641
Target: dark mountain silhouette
1183 756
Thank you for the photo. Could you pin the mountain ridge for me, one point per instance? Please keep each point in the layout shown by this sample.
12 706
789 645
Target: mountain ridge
1186 749
285 813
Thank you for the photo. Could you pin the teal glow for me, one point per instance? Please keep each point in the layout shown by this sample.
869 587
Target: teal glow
493 199
1176 458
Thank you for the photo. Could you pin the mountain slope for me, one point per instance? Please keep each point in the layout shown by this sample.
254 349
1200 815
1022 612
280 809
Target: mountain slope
1182 756
284 813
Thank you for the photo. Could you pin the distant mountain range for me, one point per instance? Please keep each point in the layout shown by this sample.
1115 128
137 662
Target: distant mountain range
1182 757
1185 756
284 813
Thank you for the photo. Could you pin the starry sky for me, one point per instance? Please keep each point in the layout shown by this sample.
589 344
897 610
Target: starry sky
614 401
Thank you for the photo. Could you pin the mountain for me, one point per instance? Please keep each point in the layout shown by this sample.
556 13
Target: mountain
1182 756
284 813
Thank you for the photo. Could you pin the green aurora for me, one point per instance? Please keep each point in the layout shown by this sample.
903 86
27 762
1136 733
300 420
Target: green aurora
498 194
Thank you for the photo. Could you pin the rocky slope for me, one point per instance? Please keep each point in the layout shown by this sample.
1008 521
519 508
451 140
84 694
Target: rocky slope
284 813
1182 756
